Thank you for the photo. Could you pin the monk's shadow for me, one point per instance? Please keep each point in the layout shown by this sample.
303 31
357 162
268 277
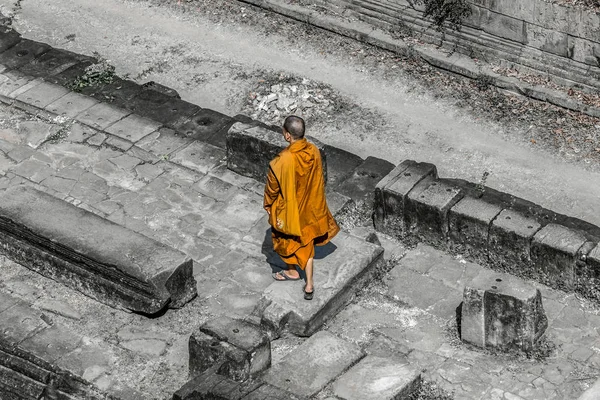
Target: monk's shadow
277 264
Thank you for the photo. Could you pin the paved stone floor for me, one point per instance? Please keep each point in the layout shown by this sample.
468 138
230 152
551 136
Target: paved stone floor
179 192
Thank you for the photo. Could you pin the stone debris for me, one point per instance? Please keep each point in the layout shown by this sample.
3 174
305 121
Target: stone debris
271 103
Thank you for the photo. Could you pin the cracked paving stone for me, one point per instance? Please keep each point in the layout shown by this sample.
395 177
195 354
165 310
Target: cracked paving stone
33 170
148 172
118 143
133 128
126 162
97 139
59 184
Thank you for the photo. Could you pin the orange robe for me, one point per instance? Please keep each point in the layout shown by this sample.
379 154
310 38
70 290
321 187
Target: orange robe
295 199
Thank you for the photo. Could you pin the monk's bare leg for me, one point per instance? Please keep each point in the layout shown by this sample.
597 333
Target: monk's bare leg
309 276
291 272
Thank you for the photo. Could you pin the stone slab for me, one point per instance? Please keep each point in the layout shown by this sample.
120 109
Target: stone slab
378 378
71 104
360 186
52 343
22 53
8 38
502 311
555 252
68 76
251 148
43 94
269 392
163 143
201 157
133 128
146 101
312 365
90 254
340 164
426 210
101 116
53 62
391 192
237 348
469 223
118 93
175 113
11 81
341 268
510 238
204 124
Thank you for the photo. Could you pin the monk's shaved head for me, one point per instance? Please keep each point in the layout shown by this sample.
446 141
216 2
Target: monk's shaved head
295 126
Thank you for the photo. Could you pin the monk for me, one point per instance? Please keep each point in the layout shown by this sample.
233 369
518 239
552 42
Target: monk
296 204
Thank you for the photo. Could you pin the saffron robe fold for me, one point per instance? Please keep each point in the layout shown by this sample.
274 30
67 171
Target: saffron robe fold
295 199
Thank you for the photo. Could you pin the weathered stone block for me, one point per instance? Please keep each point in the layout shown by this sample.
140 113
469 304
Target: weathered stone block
251 148
469 222
8 38
505 27
502 311
510 240
101 115
548 40
204 124
340 164
361 184
103 260
391 192
377 378
587 274
315 363
53 62
426 209
237 348
22 53
584 51
42 95
555 250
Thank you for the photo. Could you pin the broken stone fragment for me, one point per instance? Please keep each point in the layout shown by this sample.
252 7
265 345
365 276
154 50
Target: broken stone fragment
238 349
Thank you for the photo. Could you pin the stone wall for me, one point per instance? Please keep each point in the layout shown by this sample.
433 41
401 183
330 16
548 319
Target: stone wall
532 35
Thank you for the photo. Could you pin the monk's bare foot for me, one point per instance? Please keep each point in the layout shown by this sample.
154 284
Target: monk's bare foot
286 276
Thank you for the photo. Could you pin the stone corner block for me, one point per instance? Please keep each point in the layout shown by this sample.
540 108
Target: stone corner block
509 240
426 209
360 185
250 149
555 250
238 349
391 193
502 311
469 223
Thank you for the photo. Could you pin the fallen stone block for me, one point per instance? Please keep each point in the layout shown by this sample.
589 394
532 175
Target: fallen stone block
211 385
377 378
509 241
469 224
343 266
391 192
555 250
311 366
426 209
88 253
251 148
237 348
502 311
360 185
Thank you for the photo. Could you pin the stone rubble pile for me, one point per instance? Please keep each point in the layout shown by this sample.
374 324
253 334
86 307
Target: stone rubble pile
271 103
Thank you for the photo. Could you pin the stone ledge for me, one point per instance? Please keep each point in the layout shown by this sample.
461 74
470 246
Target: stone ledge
101 259
250 148
510 234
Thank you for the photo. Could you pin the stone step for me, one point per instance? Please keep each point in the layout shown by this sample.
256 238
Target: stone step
341 268
378 378
101 259
314 364
31 346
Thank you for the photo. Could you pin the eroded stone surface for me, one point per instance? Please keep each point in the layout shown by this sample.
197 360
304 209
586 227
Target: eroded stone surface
319 360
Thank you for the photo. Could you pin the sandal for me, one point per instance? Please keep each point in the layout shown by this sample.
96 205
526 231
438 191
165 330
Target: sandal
308 295
285 277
